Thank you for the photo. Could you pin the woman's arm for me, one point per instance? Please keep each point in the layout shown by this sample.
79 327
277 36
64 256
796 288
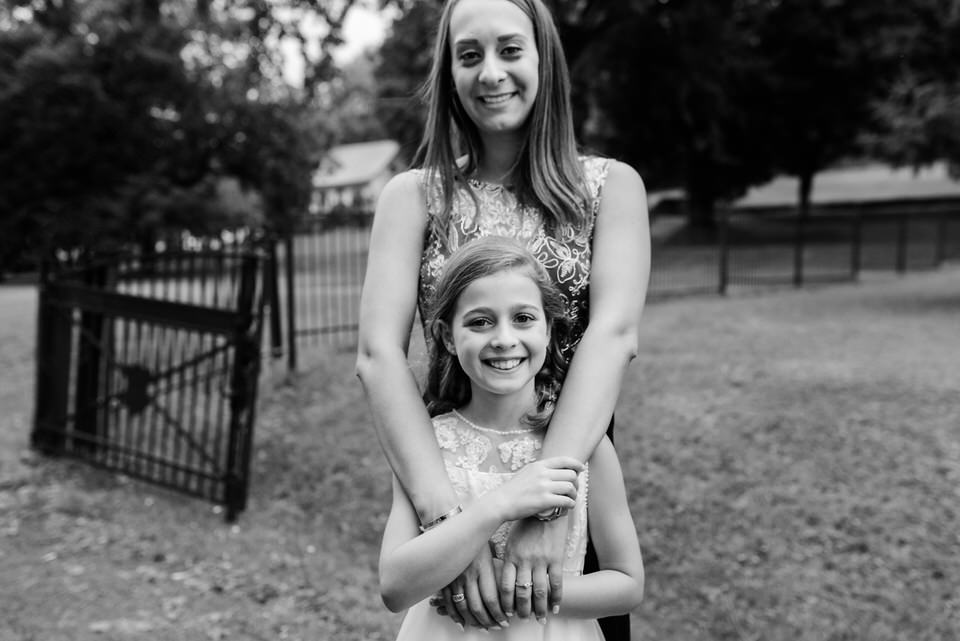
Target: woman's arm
413 567
617 588
619 274
387 308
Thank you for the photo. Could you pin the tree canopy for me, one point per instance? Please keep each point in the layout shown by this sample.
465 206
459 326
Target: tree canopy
717 96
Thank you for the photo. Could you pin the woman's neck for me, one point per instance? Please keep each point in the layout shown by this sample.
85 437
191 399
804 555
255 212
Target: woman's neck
499 158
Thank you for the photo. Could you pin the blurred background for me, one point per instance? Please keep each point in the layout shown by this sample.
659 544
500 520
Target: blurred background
126 121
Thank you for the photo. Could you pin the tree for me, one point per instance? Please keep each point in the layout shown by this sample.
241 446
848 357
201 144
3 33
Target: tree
673 87
402 67
827 62
122 120
917 121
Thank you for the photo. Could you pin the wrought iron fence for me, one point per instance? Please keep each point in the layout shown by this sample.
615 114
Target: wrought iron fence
148 366
777 249
320 268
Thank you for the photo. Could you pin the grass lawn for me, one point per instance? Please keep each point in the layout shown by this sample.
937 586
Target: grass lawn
793 463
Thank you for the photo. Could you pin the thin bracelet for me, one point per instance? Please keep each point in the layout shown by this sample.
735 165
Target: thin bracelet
440 519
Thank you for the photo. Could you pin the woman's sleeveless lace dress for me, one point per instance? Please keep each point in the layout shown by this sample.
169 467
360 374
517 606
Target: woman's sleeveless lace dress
565 253
477 462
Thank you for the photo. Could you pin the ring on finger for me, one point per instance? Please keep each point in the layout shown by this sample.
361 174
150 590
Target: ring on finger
457 597
528 584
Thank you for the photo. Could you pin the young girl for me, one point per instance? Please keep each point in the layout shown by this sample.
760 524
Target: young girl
495 365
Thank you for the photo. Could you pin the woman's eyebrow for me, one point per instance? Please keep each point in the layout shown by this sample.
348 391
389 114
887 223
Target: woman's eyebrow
471 42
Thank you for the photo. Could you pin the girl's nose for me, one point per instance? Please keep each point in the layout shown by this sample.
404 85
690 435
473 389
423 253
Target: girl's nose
491 73
504 338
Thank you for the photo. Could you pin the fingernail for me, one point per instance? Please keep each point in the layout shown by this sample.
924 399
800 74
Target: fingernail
509 614
504 624
460 625
542 620
556 609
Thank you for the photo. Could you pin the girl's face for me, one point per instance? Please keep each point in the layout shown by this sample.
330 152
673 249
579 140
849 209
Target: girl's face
495 64
500 334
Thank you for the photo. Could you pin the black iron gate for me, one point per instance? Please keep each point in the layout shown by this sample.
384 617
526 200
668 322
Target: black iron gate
148 366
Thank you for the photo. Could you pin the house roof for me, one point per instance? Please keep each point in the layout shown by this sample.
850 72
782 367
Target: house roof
862 184
355 164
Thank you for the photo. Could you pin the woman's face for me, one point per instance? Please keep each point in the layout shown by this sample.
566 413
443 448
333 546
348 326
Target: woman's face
495 64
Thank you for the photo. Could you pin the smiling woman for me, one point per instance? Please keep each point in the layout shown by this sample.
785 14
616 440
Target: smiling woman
499 158
495 69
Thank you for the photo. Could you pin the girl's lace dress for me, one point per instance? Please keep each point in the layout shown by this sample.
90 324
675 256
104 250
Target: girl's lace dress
477 461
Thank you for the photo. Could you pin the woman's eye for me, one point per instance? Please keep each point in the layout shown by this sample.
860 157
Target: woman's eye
525 318
478 322
511 50
468 57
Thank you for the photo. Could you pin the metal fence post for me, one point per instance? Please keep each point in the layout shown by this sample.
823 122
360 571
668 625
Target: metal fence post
54 329
856 244
901 243
291 303
242 393
940 252
271 292
724 267
798 251
87 418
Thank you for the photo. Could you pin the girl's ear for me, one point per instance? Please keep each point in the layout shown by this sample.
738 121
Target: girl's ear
447 337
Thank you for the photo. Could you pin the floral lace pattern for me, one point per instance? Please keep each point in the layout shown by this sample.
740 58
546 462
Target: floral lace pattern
465 450
566 254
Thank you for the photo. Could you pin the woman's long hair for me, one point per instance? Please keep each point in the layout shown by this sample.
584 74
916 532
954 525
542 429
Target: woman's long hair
447 385
547 172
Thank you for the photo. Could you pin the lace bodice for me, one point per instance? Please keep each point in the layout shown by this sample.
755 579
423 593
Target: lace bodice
565 254
480 461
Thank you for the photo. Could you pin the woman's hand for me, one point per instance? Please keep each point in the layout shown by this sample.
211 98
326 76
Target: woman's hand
540 486
480 605
532 576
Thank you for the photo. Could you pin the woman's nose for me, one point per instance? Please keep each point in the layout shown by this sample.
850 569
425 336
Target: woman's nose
491 73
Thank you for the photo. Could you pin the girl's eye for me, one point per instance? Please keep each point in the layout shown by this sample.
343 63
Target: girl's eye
511 50
525 318
478 322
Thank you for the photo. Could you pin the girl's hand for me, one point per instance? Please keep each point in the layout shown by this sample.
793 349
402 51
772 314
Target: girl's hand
540 486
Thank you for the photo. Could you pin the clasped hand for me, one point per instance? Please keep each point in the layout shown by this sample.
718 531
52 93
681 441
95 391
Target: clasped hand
529 579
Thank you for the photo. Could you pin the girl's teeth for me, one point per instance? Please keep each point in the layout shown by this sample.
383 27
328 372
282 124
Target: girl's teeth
493 100
505 364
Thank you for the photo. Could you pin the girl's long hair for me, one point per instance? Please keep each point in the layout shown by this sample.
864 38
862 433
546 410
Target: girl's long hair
547 172
448 386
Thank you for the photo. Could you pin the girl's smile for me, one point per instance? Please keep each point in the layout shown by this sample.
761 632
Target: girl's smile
500 335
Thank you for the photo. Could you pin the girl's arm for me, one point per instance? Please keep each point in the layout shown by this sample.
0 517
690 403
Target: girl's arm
617 588
619 273
387 308
414 566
